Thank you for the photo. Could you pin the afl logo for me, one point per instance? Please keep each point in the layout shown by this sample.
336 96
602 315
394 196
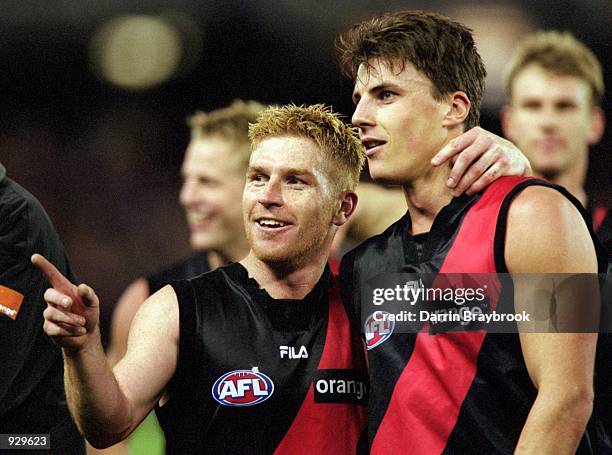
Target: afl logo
377 328
242 388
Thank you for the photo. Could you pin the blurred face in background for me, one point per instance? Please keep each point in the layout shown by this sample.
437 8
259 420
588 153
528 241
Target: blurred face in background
213 180
551 119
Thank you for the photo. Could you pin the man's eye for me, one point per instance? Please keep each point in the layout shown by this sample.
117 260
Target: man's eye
531 105
386 94
295 181
257 178
565 105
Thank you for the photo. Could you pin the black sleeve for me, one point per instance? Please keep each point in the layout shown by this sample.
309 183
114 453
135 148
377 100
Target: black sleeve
32 396
605 233
21 328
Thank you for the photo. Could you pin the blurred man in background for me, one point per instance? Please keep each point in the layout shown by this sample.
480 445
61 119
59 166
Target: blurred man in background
213 179
213 173
555 88
32 399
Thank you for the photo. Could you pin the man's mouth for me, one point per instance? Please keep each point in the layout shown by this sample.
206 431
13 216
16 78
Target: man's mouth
549 143
271 223
196 219
371 144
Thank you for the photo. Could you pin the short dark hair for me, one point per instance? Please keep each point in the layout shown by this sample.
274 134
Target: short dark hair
440 48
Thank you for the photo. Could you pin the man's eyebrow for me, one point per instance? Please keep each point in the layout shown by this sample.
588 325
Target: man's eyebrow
288 170
298 171
384 85
255 169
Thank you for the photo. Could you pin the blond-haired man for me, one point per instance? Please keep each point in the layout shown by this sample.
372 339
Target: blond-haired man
259 350
213 172
555 88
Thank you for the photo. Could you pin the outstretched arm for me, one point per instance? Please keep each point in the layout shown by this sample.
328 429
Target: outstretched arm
123 314
546 235
480 157
108 404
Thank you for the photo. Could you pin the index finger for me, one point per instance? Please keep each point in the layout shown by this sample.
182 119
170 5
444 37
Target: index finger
454 147
55 277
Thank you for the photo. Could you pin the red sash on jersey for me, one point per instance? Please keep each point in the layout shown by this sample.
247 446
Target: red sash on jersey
428 394
341 351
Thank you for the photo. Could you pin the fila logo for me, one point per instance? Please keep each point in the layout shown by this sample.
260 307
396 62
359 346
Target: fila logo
242 388
291 353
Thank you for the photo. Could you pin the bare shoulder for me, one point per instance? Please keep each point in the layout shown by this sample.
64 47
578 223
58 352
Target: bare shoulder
152 352
546 233
160 311
131 299
153 337
123 314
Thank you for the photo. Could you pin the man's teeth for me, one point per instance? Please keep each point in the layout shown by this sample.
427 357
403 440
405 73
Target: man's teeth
197 218
272 223
372 144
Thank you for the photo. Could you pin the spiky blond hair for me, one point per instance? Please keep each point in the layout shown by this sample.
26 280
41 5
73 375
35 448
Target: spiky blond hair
319 123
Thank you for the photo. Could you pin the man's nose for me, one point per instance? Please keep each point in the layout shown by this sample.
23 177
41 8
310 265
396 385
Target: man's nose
188 194
271 193
363 115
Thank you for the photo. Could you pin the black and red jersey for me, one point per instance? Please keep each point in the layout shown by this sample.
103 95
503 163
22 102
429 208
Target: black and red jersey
602 224
258 375
452 393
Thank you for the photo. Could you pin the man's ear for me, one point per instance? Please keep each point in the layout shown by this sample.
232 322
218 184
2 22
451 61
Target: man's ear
459 108
598 125
347 207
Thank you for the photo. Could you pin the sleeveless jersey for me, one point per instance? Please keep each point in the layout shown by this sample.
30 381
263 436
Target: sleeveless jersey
602 223
452 393
257 375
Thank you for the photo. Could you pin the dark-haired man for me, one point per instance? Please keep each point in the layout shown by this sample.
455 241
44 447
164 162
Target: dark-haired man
418 85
